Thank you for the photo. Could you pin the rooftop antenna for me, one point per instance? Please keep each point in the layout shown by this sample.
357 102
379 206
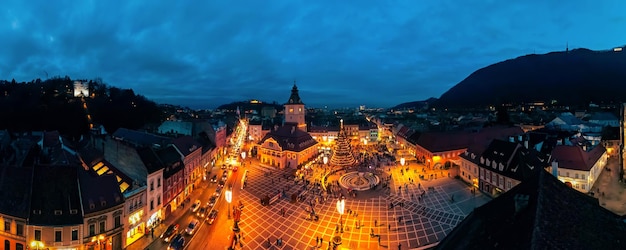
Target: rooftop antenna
566 46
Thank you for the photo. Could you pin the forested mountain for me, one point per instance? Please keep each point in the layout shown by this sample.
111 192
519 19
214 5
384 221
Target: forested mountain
574 77
51 105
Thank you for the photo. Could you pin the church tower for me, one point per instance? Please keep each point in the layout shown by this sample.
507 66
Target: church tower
294 109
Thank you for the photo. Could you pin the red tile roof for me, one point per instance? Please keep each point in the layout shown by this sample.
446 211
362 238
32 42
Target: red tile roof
289 137
575 158
446 141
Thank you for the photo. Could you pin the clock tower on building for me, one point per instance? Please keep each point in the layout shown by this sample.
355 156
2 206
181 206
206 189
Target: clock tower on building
294 109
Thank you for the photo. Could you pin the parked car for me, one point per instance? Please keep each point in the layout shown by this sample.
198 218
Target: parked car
221 183
169 232
178 243
214 179
193 225
235 169
212 216
195 206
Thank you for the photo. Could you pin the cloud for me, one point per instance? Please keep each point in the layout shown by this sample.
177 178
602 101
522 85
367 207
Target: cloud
205 53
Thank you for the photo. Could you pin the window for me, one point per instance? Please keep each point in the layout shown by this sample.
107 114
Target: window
74 234
158 200
583 186
118 221
576 176
152 185
7 225
102 227
92 229
567 174
583 177
151 205
7 245
19 246
159 182
57 236
20 229
38 235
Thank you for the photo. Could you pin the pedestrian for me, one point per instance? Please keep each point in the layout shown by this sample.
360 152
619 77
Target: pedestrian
375 223
399 246
379 240
317 240
389 226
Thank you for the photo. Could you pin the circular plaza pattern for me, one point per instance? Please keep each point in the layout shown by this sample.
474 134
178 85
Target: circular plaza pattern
359 181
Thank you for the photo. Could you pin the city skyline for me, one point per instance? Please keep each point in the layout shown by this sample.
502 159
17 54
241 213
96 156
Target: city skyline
377 54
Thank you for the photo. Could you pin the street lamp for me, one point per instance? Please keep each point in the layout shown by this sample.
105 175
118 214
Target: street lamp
402 161
243 155
325 160
229 198
341 205
35 244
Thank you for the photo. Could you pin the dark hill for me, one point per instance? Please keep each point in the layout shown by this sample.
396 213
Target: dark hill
575 77
416 105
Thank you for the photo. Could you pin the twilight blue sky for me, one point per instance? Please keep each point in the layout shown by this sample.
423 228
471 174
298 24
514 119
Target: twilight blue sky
342 53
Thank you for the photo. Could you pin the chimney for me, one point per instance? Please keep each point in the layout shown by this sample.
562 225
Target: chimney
555 168
521 202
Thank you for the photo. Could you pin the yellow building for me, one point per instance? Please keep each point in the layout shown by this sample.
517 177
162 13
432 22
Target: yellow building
289 145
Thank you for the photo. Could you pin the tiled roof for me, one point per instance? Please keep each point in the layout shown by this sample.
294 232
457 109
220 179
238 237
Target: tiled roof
99 192
186 145
555 217
574 157
55 196
444 141
603 116
150 159
511 159
289 137
94 160
172 161
15 183
138 138
455 140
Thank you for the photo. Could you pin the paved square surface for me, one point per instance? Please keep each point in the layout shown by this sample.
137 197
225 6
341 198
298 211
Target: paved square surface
415 220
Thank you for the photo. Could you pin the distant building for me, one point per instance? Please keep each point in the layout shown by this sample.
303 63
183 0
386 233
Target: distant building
604 119
502 165
81 89
268 112
578 166
289 146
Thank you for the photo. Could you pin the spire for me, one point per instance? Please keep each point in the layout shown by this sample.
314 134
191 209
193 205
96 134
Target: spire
295 97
